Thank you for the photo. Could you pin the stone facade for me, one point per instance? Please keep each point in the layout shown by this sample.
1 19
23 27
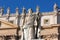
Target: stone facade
31 25
50 25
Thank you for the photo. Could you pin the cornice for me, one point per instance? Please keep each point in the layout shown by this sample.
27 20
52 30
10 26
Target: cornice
8 23
50 26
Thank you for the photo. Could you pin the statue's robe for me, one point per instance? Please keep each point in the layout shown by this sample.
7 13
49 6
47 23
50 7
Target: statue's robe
29 30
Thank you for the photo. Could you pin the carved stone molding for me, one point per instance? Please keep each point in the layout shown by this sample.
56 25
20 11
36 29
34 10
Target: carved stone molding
50 36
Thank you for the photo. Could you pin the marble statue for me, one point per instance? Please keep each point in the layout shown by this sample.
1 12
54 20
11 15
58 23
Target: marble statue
29 28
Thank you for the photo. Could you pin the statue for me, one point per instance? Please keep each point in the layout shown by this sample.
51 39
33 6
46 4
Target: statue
29 30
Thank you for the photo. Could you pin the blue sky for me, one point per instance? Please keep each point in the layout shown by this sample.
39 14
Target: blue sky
45 5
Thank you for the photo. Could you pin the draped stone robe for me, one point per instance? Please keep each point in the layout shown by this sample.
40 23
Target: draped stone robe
29 30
